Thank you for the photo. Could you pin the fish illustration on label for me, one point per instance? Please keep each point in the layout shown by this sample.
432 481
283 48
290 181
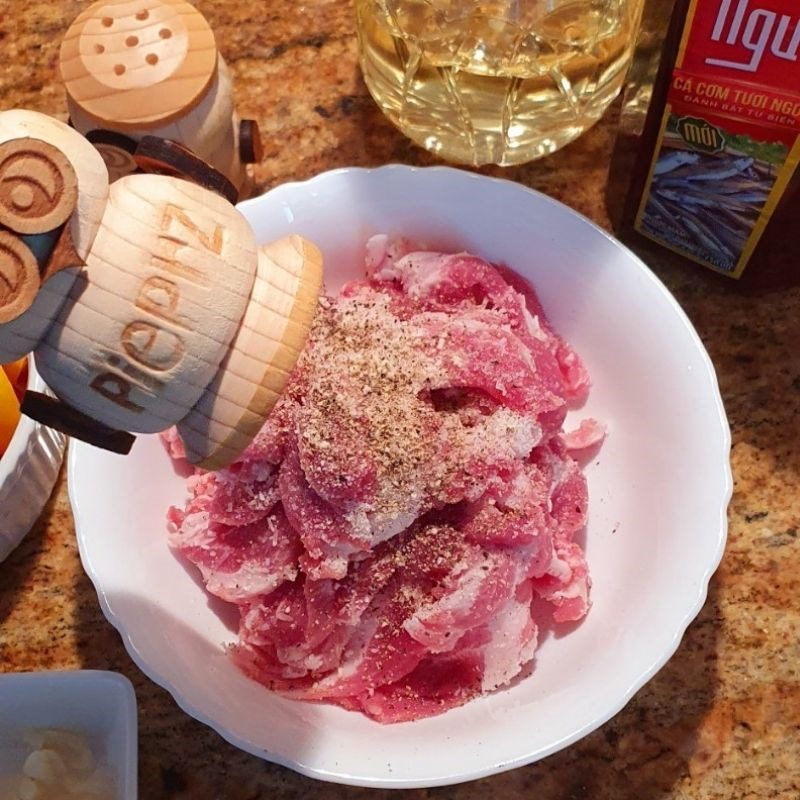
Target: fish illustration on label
728 141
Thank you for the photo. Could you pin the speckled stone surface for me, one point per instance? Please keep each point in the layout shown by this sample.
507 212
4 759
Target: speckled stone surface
721 721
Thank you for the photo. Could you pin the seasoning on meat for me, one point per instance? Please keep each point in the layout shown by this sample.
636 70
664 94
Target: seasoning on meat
410 501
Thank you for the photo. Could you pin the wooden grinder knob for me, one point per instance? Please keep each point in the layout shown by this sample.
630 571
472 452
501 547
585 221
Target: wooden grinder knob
53 192
38 193
130 64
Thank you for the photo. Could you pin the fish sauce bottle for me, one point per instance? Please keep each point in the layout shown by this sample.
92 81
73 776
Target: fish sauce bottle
706 156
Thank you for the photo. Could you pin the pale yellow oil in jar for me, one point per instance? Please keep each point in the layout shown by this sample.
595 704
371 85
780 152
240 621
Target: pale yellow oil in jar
500 82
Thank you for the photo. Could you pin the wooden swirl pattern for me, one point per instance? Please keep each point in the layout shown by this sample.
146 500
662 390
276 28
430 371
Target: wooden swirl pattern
38 186
19 277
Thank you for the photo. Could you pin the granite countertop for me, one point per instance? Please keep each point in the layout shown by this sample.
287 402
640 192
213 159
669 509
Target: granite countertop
721 721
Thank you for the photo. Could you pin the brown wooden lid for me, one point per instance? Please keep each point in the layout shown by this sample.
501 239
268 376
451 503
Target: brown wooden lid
135 64
164 157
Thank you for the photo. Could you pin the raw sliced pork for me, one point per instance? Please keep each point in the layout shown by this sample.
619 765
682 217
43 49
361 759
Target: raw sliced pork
411 501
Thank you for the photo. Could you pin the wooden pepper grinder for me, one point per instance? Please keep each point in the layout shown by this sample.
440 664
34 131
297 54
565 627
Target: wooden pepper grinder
150 68
147 302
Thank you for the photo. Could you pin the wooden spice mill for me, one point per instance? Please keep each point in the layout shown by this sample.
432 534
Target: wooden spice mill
124 266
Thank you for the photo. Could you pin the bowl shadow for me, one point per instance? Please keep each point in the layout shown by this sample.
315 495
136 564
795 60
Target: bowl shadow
179 757
638 755
645 750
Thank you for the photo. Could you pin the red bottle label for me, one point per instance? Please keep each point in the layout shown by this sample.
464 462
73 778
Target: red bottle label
728 141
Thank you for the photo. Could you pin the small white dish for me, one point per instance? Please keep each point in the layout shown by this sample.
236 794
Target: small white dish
658 492
28 471
100 706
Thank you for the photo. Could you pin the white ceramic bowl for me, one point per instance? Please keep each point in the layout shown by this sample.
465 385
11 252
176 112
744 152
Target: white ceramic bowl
100 706
28 470
658 495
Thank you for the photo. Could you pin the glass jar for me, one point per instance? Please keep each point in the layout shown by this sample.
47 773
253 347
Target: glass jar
498 82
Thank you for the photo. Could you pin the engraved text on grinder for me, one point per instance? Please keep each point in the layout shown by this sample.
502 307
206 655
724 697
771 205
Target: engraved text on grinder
154 343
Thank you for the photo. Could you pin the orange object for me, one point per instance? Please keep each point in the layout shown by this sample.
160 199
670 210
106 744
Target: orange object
9 411
17 372
15 369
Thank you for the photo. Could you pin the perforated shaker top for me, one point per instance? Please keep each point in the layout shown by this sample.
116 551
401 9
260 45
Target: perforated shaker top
138 63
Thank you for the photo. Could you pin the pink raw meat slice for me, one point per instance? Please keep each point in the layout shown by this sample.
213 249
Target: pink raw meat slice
443 281
488 521
329 539
570 501
433 596
573 372
387 531
512 639
273 630
302 629
271 442
381 252
238 563
470 353
486 656
344 602
244 493
174 444
400 305
338 467
469 596
283 640
476 354
515 514
566 584
381 650
436 685
569 495
377 650
588 434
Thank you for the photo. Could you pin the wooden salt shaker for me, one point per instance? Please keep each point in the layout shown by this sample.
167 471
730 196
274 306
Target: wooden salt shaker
176 316
135 68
